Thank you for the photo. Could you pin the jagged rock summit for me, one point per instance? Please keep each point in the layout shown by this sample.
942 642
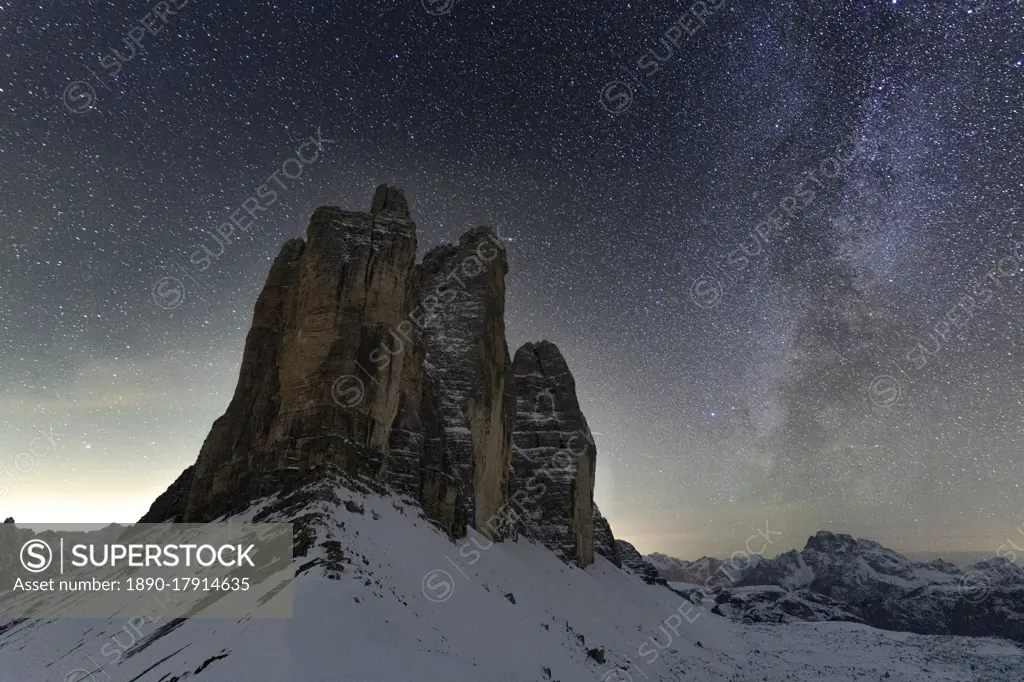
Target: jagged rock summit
362 360
390 200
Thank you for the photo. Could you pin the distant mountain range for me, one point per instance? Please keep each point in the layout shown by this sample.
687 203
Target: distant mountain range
837 577
956 558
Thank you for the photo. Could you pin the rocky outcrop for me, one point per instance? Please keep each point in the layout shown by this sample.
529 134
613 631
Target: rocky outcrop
633 560
170 505
770 604
319 382
553 447
604 540
363 361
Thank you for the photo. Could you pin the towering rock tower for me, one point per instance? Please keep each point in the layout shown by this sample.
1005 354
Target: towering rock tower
553 449
327 304
397 373
469 366
451 440
361 359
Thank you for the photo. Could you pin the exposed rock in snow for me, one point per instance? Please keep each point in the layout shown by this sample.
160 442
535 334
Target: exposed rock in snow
632 560
604 540
462 295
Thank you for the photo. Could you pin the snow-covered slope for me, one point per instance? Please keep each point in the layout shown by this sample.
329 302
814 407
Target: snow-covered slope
383 595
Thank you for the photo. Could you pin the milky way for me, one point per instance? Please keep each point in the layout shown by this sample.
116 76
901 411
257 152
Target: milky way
778 243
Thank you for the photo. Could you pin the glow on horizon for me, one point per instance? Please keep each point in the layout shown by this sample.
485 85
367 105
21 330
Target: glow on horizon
83 510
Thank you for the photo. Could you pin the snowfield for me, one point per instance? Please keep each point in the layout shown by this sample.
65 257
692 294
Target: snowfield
405 604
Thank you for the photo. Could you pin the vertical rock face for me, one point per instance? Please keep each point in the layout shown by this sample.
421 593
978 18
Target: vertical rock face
468 402
320 376
553 447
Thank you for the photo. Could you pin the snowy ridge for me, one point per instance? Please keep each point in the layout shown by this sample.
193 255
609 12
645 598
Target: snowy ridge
382 595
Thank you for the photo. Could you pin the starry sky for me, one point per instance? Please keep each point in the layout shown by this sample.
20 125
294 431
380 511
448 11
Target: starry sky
780 244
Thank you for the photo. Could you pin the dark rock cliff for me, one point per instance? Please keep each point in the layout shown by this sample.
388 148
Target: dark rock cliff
170 505
553 448
634 561
604 540
467 375
312 387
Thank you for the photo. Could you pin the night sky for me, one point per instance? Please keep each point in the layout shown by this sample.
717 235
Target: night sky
782 256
